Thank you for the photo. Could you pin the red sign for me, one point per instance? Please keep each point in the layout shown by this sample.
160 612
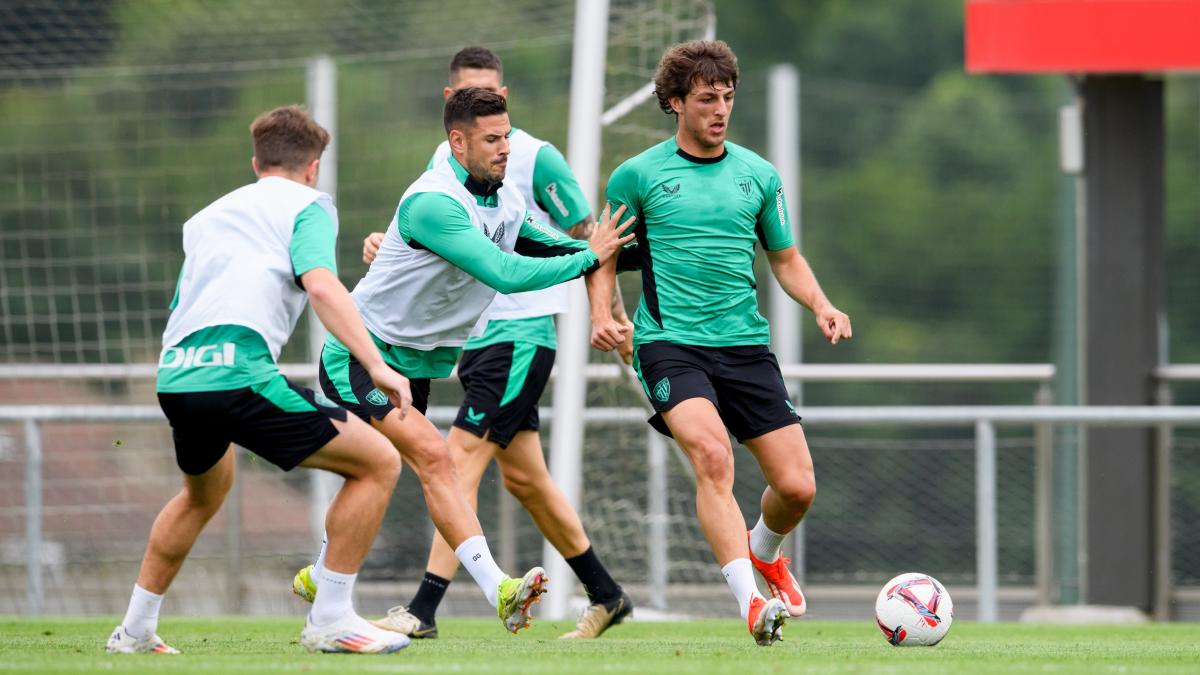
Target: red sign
1082 36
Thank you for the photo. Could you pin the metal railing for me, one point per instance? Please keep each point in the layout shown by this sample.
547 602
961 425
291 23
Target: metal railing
984 419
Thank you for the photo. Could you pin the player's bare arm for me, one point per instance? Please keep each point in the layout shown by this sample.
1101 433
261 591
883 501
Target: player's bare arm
798 281
611 327
337 313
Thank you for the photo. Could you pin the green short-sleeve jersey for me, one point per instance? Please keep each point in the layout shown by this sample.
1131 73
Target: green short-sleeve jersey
556 190
699 220
219 358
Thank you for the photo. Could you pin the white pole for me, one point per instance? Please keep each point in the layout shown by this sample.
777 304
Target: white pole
657 538
783 137
34 593
985 519
321 85
583 153
783 134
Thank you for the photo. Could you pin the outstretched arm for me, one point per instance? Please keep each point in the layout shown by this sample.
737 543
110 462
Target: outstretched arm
798 281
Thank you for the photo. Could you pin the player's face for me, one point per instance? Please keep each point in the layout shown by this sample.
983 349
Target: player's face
483 78
486 147
704 113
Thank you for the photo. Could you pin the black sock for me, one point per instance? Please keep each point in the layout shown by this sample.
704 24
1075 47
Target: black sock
429 595
597 583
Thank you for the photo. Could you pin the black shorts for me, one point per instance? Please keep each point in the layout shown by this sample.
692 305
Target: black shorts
344 380
277 420
744 383
502 385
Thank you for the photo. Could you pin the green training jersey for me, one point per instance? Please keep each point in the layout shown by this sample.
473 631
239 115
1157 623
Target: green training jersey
698 221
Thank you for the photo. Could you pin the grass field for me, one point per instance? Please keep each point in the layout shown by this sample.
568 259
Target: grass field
254 645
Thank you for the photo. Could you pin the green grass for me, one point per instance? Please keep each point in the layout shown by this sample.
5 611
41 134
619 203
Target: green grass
254 645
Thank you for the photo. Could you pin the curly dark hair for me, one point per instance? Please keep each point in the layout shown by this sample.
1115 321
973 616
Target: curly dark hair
709 62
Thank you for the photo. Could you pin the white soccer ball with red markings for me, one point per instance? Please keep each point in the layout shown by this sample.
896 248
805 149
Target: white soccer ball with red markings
914 609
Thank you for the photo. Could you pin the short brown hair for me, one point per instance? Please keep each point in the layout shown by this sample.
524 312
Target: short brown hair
709 62
475 57
465 105
287 137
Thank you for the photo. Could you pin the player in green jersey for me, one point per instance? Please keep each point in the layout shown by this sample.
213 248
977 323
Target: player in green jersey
503 373
701 346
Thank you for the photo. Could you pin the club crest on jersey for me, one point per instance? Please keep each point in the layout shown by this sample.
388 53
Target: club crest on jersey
671 190
377 397
745 185
662 390
496 236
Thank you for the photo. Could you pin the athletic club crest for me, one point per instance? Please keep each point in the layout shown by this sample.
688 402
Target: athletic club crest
662 390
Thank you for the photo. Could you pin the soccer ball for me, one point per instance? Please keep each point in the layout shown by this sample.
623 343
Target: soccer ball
914 609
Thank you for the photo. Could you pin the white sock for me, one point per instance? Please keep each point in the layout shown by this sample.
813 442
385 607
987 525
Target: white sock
320 564
141 619
335 599
764 543
477 558
740 576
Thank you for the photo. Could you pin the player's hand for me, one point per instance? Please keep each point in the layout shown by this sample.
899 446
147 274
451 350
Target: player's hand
606 239
834 324
371 246
625 349
395 386
609 334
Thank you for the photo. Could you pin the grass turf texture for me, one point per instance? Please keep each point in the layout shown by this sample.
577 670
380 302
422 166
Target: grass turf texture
254 645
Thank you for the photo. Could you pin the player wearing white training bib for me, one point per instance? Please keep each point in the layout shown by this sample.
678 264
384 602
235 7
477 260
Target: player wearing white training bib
252 260
459 234
504 372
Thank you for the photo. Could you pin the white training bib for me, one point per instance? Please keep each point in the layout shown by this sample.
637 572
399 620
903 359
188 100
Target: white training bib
522 156
412 297
237 267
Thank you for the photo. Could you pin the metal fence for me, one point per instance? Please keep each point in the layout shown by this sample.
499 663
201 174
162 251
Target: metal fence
637 503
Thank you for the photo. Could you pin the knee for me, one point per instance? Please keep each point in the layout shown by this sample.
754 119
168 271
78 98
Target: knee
206 502
799 490
434 462
713 462
521 485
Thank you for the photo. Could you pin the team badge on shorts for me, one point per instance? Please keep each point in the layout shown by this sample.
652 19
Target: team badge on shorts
377 397
662 390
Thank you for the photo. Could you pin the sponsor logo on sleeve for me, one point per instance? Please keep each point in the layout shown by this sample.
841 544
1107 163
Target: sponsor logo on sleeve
536 224
552 192
779 206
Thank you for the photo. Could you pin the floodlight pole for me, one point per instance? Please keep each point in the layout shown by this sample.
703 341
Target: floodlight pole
583 153
321 85
783 137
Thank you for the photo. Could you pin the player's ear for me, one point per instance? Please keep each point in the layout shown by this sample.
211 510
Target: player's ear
446 91
503 91
254 165
458 140
311 172
676 104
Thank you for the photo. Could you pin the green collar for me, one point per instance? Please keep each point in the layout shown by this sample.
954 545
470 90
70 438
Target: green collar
485 195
